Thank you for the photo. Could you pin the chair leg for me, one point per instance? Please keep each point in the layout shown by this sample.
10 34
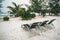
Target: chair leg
28 28
22 26
25 28
52 24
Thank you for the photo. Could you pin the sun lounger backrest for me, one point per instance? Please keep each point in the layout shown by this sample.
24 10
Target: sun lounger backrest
34 25
44 23
51 21
27 25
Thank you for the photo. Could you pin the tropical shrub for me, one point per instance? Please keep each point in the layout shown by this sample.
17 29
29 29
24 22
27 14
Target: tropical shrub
32 15
15 10
17 15
6 18
43 12
25 16
20 12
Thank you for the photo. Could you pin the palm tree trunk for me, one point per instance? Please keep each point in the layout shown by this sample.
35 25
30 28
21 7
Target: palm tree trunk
39 14
49 14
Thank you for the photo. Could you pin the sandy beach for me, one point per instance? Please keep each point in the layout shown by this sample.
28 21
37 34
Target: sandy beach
42 10
11 30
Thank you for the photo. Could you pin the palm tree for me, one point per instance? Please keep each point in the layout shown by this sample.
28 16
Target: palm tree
43 12
36 6
54 7
14 9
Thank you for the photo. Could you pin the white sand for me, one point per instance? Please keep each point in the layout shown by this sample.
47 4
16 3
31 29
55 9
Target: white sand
11 30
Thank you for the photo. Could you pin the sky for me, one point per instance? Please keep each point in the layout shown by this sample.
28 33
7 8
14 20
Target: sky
9 3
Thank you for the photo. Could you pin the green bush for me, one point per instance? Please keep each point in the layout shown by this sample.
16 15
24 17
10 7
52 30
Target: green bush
25 16
20 13
43 12
32 15
56 14
17 15
6 18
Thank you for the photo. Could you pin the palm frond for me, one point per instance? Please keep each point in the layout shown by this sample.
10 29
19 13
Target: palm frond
16 6
12 9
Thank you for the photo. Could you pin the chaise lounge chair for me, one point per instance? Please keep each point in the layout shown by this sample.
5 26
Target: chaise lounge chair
35 25
29 27
50 24
51 21
44 23
25 26
38 24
